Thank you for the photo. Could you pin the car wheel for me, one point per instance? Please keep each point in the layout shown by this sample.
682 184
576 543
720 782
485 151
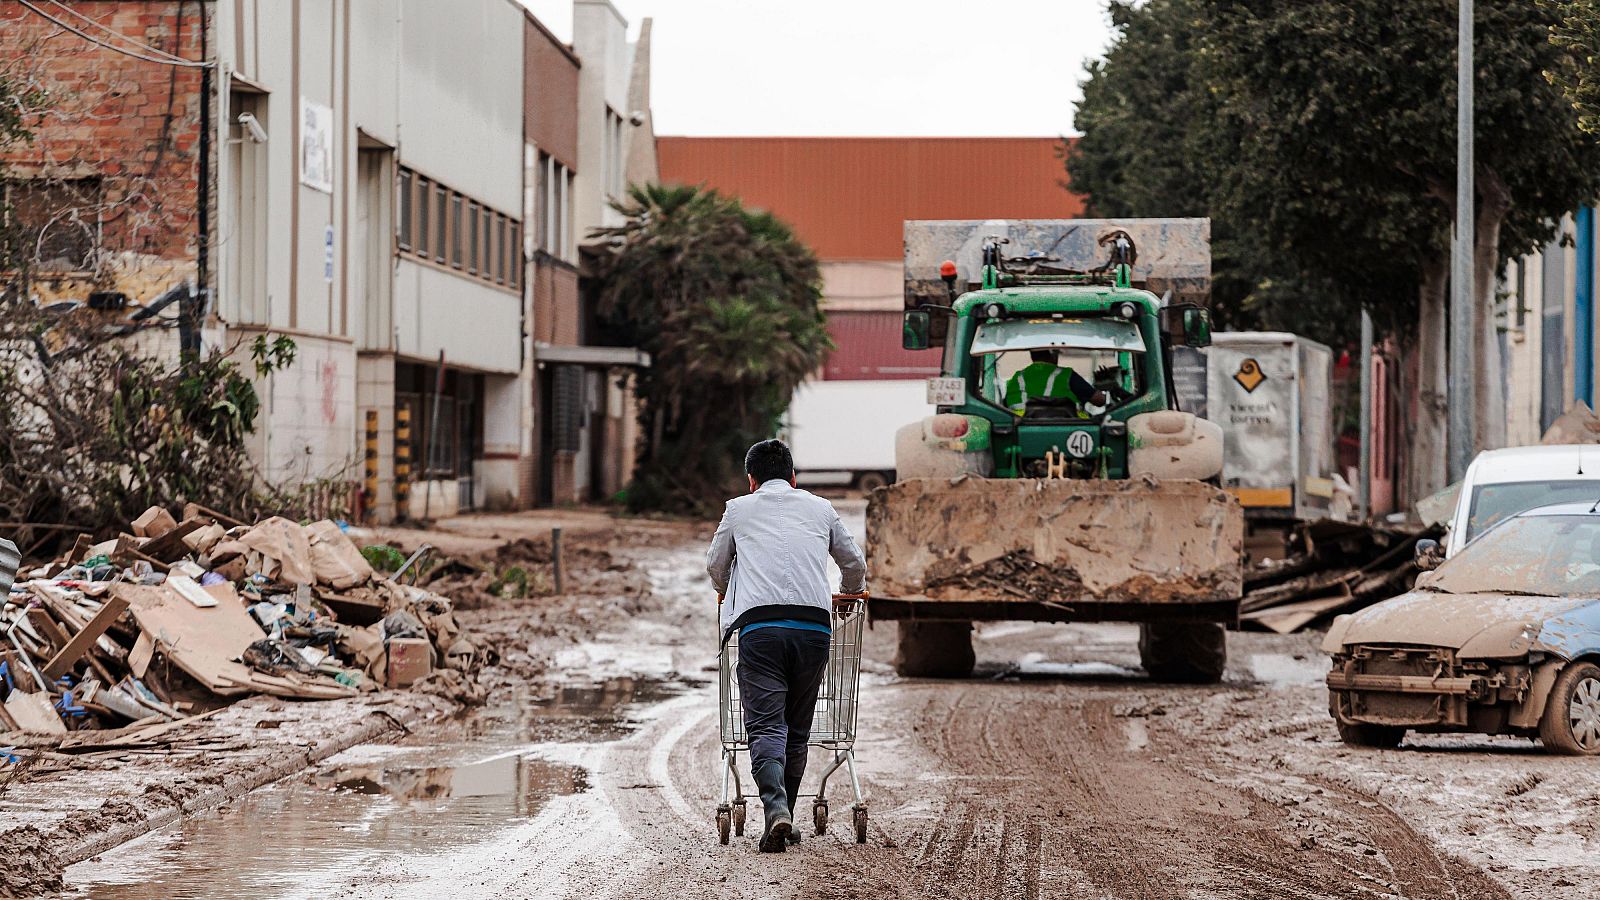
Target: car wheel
1571 721
1361 734
867 482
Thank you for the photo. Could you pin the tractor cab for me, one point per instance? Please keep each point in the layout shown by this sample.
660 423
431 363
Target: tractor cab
1051 364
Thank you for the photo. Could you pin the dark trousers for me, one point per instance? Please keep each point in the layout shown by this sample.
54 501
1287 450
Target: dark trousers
780 671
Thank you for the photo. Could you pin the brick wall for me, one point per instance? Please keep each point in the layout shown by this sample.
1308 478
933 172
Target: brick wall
556 311
119 136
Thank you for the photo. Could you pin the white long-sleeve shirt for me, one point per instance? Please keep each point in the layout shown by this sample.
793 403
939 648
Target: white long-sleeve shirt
770 554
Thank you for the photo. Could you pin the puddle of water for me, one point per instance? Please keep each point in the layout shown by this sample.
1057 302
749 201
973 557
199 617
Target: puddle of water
1284 670
1034 665
451 787
1138 734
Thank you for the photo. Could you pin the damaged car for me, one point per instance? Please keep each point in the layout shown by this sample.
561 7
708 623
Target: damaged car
1501 638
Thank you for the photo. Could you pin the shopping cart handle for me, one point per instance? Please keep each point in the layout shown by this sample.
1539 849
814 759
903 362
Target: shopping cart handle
861 596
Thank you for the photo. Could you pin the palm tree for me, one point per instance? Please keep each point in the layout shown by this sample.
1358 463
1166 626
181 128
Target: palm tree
724 299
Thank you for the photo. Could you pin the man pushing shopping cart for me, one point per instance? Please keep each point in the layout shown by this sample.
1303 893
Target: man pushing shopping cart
779 621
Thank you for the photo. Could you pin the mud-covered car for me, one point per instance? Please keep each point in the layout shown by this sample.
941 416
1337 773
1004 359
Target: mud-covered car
1501 638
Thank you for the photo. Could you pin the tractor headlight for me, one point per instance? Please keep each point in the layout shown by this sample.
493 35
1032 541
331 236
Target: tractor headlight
1127 310
994 311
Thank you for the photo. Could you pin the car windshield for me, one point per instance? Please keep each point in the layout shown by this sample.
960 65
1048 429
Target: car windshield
1067 357
1492 503
1555 556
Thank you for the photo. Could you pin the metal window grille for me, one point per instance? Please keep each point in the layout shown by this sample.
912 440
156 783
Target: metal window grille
567 400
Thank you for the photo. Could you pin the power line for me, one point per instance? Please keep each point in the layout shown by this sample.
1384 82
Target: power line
175 61
157 51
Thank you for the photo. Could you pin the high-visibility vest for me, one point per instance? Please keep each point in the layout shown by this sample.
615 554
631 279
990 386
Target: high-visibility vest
1039 380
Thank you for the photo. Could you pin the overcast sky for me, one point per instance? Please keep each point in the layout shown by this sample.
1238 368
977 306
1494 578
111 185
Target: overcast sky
862 67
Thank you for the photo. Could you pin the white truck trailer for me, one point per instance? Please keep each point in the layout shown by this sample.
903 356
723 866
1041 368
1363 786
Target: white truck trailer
842 432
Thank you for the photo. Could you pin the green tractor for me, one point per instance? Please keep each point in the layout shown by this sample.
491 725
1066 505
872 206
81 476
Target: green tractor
1058 480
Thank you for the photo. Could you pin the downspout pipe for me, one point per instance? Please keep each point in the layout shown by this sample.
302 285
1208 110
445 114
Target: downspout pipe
1583 309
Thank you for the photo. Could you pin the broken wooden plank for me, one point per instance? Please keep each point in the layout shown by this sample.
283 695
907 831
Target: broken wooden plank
1292 617
34 712
59 603
21 675
170 546
64 659
195 510
144 650
48 628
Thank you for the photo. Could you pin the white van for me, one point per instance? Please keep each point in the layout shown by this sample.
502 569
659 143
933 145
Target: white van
1502 483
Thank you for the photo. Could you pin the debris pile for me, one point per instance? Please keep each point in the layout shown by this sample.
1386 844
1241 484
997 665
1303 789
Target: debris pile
183 614
1336 567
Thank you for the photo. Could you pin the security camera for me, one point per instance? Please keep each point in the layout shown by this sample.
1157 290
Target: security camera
253 128
636 118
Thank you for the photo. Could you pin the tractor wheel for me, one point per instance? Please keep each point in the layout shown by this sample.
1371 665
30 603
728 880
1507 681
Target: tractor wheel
935 650
867 482
1185 654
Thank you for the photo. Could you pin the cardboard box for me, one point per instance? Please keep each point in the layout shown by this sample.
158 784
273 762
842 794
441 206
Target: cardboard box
409 660
153 523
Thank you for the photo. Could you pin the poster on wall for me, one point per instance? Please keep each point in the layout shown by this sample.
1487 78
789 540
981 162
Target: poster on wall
316 146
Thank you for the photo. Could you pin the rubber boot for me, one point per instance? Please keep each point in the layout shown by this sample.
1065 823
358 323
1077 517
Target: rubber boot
774 803
791 789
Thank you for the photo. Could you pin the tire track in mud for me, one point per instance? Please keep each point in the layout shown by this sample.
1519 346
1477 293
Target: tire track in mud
1051 796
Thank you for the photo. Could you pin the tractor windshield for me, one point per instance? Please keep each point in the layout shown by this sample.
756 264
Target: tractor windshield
1041 367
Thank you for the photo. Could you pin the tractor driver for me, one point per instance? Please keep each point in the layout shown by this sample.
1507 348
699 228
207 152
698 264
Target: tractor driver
1043 379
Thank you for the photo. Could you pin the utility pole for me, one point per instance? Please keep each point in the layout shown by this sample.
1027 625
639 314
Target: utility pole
1364 470
1463 402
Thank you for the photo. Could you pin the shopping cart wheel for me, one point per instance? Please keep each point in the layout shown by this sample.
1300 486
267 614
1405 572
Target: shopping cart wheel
819 816
738 818
724 821
859 813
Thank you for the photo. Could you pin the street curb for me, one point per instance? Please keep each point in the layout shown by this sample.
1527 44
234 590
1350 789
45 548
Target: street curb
377 725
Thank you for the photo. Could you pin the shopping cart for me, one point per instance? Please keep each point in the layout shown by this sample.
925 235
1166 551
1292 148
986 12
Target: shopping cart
833 727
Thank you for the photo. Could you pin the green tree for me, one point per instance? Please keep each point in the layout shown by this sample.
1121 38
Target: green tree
1323 135
724 300
1577 31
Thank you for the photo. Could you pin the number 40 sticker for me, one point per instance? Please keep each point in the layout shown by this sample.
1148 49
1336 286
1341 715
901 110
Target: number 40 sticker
1080 444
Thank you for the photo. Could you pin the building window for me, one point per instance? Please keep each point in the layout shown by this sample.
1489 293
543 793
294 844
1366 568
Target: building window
541 203
514 253
56 223
500 249
553 226
405 210
444 226
569 251
423 192
1522 295
455 230
441 213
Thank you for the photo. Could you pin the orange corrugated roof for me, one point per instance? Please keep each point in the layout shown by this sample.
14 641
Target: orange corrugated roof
847 197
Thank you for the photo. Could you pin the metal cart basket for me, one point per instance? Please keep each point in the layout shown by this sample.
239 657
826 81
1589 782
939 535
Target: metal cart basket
833 728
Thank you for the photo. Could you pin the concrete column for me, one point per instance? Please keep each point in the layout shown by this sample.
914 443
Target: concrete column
375 390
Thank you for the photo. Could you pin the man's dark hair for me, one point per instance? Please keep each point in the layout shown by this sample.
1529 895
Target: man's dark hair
768 460
1044 355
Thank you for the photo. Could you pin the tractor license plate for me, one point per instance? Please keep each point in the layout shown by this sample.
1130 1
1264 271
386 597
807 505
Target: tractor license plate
947 391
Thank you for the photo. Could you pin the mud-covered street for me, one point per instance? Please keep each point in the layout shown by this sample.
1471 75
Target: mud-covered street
1058 770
